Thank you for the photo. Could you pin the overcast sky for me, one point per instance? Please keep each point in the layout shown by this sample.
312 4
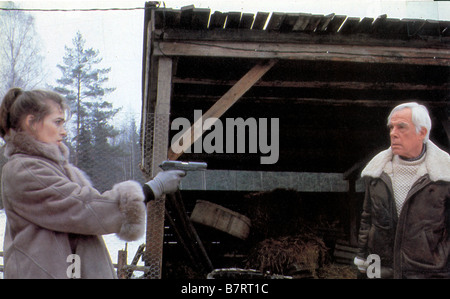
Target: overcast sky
118 35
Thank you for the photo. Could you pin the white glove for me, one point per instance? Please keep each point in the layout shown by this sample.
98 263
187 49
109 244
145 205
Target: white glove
166 182
361 264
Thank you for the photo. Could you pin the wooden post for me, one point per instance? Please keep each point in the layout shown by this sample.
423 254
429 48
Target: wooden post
156 208
220 107
121 264
148 87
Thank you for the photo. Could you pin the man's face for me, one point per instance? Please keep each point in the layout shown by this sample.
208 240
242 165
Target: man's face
405 141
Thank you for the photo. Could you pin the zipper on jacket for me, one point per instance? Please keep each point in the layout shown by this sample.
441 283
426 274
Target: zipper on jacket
387 180
421 183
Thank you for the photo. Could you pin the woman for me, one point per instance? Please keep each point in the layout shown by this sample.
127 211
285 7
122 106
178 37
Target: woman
53 212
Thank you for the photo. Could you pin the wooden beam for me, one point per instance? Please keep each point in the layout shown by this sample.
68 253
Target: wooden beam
291 51
156 208
256 181
147 77
313 101
321 84
162 112
299 35
219 108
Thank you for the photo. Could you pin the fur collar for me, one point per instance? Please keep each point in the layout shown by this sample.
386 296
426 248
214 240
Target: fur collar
437 163
23 143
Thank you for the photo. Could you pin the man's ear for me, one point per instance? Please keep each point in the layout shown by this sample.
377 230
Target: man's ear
423 132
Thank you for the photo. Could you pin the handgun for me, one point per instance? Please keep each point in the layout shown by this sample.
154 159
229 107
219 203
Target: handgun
180 165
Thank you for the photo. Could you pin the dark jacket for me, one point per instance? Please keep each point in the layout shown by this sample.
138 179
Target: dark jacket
415 244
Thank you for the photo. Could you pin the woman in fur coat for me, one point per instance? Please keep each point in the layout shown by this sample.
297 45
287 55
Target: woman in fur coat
54 216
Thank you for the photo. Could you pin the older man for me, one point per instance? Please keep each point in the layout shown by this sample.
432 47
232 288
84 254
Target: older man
406 210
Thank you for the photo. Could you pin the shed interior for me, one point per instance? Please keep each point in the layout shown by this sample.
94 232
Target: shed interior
332 85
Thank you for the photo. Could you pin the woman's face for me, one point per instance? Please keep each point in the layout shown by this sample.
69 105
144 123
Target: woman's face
51 129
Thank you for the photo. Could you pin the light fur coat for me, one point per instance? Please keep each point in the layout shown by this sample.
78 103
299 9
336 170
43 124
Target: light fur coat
53 212
437 164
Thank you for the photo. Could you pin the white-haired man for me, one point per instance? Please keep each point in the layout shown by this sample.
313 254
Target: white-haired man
406 211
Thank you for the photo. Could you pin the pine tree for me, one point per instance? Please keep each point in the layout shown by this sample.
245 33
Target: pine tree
82 84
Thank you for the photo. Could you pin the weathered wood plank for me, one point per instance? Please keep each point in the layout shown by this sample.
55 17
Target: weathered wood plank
217 20
219 108
335 23
355 85
275 21
378 24
394 27
289 22
374 54
187 12
326 37
301 22
315 101
246 21
233 20
260 20
413 26
167 18
324 22
200 18
365 26
350 24
244 180
430 28
313 23
156 208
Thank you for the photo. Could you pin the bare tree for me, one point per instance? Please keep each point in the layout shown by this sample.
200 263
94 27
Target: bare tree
21 64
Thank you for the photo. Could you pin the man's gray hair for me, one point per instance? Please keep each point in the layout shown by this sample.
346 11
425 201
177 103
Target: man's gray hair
420 117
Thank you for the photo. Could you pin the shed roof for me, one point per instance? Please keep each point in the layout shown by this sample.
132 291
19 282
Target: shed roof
274 26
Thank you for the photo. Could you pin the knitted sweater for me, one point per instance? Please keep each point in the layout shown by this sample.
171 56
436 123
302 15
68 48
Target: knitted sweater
403 175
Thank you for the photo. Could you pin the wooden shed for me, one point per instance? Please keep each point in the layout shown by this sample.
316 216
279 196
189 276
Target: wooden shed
329 80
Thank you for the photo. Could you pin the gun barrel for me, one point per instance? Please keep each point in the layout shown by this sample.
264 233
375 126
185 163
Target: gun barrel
180 165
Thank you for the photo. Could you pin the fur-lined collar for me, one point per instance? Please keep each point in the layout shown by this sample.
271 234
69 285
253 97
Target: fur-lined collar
23 143
437 163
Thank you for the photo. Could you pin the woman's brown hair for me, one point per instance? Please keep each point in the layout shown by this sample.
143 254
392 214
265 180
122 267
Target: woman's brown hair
17 104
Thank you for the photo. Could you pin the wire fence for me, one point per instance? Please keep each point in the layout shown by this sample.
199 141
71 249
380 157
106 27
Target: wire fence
155 147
